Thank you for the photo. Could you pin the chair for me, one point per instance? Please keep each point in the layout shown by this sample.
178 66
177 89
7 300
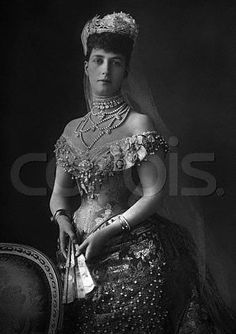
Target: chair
30 291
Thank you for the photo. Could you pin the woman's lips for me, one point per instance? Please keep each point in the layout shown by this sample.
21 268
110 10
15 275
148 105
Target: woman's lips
105 80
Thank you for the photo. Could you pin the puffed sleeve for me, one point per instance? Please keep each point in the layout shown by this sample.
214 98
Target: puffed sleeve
64 156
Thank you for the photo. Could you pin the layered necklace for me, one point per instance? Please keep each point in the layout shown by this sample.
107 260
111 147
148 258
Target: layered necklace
113 109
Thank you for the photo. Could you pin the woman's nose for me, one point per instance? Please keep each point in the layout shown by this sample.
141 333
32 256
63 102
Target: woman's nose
106 67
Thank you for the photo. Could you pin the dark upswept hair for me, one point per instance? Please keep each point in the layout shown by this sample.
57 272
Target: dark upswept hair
110 42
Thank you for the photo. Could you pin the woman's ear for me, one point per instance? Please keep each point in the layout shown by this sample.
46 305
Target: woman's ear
86 67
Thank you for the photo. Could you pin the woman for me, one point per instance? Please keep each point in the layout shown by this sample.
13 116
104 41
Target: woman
141 274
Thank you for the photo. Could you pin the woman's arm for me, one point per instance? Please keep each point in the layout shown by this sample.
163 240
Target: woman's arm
152 175
64 196
65 192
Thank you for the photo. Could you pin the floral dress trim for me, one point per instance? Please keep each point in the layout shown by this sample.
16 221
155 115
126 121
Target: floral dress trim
119 156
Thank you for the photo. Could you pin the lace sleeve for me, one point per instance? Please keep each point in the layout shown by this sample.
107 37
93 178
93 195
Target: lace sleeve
153 142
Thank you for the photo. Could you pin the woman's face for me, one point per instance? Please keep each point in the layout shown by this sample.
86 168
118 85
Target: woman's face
106 72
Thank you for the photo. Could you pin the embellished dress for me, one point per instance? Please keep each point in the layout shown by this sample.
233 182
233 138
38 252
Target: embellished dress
145 281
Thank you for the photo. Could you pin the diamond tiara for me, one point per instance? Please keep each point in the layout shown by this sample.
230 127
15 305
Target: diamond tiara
119 23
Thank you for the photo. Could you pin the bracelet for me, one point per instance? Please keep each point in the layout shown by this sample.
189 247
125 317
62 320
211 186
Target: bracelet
61 212
125 226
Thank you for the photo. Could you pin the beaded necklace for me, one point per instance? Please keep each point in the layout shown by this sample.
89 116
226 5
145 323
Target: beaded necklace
100 108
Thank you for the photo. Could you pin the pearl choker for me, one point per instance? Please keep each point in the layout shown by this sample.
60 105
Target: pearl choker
104 103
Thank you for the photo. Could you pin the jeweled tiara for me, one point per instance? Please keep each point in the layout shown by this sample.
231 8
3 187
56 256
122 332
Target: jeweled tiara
120 23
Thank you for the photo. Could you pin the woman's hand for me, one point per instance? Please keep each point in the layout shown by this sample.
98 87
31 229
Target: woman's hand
65 230
94 244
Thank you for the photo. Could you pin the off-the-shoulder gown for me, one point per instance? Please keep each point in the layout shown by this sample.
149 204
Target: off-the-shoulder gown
145 281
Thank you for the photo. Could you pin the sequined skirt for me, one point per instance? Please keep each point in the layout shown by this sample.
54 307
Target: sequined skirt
146 282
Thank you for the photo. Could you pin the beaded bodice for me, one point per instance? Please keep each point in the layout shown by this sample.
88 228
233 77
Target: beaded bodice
103 174
91 172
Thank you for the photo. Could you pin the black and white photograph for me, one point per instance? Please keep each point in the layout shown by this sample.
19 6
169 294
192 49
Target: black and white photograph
118 156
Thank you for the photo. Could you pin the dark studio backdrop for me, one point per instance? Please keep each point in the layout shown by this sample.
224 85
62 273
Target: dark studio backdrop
188 52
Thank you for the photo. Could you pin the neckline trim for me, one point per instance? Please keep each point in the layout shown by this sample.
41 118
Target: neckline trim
108 144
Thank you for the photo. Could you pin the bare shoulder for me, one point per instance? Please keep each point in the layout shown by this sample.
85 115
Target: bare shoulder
71 126
139 123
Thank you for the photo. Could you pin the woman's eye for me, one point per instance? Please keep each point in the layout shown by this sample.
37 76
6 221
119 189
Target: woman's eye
117 62
98 61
